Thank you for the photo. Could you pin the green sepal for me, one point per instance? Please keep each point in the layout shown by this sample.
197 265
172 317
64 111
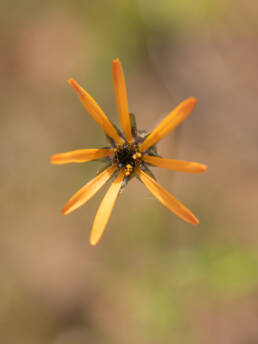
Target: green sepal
104 167
152 151
114 175
148 171
124 183
127 180
110 140
106 159
133 125
142 135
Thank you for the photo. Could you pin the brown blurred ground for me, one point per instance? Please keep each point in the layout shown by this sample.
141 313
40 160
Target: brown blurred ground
152 278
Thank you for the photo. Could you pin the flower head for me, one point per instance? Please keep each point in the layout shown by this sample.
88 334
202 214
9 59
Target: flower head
130 154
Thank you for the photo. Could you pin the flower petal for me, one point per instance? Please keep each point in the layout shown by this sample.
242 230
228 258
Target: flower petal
121 98
95 111
169 123
105 209
166 198
80 155
175 165
88 190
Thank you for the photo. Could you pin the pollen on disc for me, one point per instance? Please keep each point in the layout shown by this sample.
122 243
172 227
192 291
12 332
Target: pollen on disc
126 157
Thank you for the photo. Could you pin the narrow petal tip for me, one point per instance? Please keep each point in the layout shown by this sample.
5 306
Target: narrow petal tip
52 159
116 60
71 81
193 100
57 159
203 168
194 220
191 218
76 86
65 210
190 103
93 242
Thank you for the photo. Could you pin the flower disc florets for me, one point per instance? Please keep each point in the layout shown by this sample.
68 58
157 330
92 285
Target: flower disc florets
128 157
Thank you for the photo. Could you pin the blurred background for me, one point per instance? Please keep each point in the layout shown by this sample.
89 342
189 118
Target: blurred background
153 278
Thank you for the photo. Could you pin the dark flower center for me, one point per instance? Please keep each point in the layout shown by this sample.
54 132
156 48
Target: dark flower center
127 157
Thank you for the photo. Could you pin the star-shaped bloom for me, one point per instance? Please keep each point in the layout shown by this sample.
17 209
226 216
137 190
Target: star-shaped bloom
130 154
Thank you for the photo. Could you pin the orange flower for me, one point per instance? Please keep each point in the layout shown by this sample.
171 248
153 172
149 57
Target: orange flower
130 154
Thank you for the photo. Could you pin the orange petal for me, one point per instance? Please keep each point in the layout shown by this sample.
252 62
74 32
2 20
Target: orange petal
166 198
88 190
105 209
95 111
169 123
121 98
176 165
80 155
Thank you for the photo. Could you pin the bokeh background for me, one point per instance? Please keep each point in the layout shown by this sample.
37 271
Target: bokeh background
152 278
